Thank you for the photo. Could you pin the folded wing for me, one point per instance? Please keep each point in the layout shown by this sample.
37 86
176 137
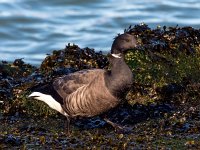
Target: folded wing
67 84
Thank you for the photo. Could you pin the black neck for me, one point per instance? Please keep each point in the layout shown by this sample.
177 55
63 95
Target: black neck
115 50
119 79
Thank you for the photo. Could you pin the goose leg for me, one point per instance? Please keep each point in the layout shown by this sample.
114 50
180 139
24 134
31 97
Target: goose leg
118 128
67 126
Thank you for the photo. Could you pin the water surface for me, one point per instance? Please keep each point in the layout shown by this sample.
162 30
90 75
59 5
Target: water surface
30 29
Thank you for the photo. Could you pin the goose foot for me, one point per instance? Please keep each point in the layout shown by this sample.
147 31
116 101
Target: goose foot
117 127
67 126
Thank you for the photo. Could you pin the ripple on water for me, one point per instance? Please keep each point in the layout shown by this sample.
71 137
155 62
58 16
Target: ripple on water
30 29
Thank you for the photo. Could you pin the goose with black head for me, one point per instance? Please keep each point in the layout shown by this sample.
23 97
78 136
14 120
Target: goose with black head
91 92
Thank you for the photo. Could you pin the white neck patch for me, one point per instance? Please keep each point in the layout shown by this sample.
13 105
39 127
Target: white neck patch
117 55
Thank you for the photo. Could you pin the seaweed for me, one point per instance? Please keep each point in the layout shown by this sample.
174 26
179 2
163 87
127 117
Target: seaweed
161 111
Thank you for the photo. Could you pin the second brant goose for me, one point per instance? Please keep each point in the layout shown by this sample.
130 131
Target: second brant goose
91 92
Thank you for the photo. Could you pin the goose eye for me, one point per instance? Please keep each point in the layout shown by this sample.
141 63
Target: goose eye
127 40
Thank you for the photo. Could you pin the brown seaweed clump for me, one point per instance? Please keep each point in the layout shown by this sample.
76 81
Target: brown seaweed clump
171 40
13 75
74 57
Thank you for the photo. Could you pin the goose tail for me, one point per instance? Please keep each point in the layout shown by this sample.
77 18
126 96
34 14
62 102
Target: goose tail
49 100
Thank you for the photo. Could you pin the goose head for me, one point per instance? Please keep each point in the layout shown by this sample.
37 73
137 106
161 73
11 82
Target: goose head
123 43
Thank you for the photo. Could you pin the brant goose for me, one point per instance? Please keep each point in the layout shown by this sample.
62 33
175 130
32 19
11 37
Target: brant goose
91 92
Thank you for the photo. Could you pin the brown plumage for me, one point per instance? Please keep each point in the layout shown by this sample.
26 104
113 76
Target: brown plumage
87 94
91 92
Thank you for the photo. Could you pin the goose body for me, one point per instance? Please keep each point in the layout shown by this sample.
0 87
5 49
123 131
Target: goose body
91 92
87 93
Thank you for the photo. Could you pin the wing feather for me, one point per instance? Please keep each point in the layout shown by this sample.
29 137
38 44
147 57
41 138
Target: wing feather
67 84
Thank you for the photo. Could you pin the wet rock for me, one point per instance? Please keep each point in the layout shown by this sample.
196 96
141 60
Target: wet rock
168 90
90 123
18 62
12 140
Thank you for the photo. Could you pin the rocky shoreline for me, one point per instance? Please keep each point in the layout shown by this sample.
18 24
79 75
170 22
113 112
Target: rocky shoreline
162 106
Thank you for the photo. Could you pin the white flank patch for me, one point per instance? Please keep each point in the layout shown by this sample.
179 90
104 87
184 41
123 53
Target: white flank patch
1 102
116 55
49 100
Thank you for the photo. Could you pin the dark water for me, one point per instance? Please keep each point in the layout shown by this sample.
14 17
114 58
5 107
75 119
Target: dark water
32 28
